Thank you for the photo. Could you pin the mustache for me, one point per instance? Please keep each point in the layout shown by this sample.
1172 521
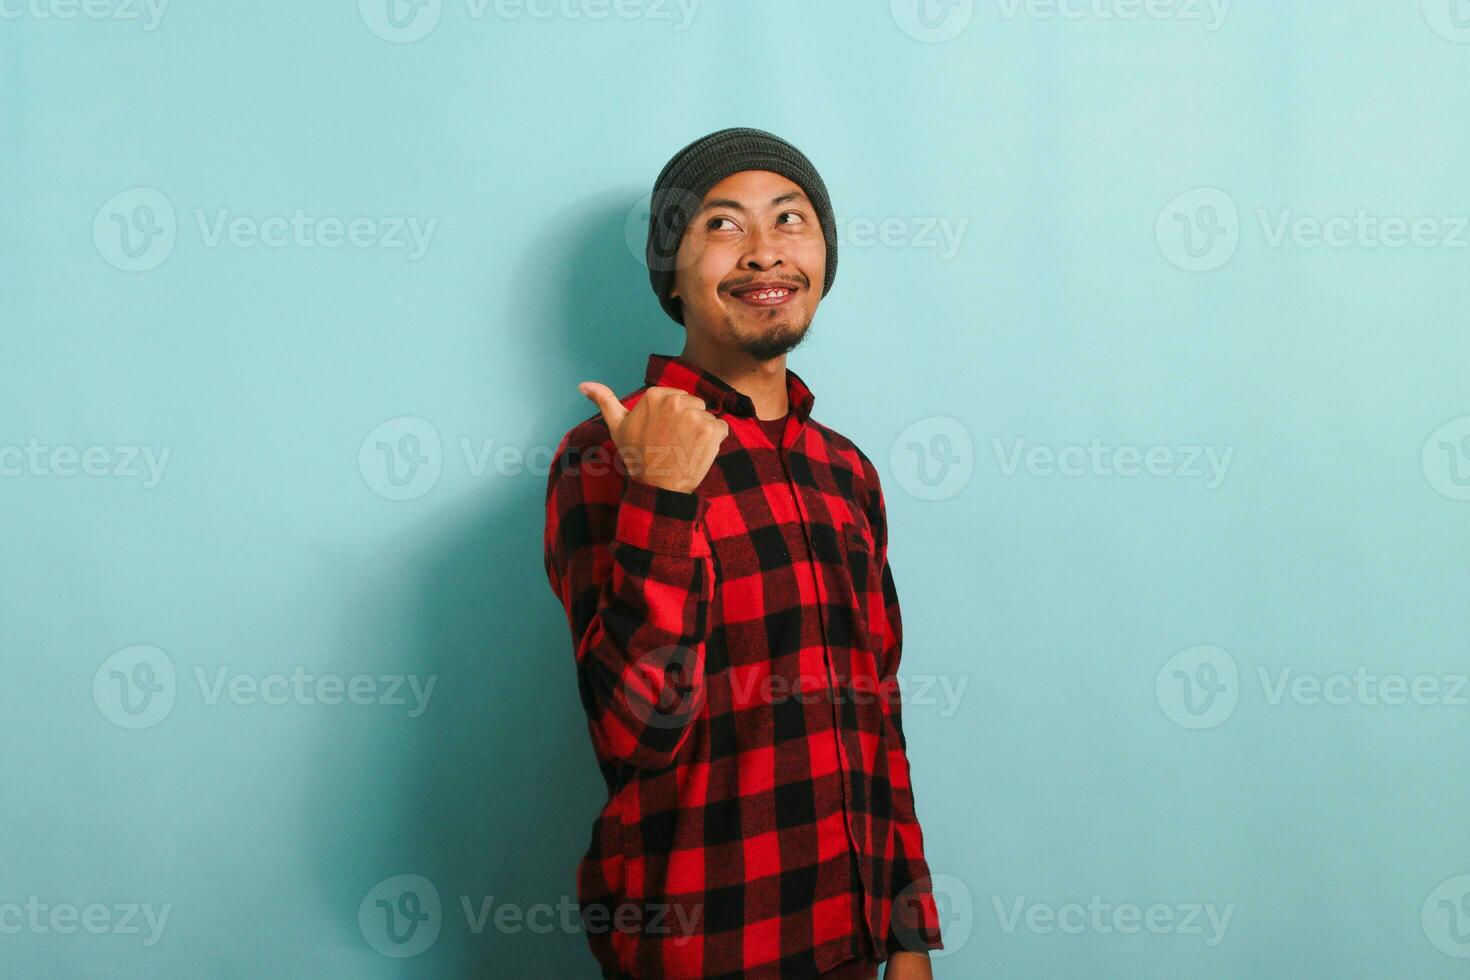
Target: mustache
798 281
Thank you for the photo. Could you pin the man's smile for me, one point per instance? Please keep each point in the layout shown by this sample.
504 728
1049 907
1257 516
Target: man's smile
766 292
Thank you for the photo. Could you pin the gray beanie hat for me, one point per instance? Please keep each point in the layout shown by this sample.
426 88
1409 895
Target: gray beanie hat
685 179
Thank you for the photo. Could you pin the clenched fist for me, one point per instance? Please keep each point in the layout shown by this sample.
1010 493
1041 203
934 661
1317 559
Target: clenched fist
669 439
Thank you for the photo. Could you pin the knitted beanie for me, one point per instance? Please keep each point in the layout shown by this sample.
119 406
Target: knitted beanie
688 176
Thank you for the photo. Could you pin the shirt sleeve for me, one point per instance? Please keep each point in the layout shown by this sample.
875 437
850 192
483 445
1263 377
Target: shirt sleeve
631 565
915 920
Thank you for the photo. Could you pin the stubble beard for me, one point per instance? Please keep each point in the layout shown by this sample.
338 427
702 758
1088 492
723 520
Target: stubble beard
772 340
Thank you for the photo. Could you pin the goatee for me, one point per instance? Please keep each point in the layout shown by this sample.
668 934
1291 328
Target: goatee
775 341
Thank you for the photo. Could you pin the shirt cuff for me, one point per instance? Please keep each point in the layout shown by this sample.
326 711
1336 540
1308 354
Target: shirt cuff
917 930
670 522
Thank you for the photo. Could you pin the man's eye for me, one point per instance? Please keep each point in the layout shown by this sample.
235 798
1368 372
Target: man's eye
795 214
715 221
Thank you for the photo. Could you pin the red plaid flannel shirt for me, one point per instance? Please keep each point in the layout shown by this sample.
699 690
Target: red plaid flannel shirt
742 702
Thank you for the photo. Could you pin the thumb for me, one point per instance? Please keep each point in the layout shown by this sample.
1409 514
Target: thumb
607 403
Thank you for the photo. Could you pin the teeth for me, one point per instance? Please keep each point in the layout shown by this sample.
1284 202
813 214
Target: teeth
767 294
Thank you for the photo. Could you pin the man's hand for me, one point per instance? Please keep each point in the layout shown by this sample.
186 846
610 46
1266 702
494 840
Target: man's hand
905 965
669 439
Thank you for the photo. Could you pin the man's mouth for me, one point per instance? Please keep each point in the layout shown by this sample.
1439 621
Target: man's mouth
764 294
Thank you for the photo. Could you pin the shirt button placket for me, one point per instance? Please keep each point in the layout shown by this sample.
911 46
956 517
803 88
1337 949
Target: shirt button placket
845 770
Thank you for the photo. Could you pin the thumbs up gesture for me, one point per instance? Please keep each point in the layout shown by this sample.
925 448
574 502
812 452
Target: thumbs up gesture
669 439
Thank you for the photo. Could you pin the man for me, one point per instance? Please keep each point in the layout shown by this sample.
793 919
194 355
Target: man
722 558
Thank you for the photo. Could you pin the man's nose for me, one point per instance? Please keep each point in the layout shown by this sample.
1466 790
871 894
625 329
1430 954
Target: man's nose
764 251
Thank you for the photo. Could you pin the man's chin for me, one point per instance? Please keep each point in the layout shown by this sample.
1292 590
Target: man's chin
772 344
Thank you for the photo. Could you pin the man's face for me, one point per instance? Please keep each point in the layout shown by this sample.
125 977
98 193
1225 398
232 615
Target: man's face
754 228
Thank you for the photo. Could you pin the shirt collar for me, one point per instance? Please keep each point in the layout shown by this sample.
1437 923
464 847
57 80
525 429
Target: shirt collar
672 371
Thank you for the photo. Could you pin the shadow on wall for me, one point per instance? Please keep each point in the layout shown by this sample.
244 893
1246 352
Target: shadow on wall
491 793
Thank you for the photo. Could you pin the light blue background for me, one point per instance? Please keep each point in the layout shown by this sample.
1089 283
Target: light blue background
1335 834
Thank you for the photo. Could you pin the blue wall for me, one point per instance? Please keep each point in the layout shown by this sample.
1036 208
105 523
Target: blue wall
1151 314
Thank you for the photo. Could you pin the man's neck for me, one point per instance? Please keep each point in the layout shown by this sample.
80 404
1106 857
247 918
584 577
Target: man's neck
763 382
